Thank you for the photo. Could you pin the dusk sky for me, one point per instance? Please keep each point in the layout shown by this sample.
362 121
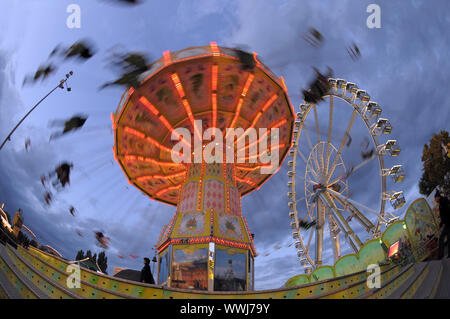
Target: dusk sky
403 66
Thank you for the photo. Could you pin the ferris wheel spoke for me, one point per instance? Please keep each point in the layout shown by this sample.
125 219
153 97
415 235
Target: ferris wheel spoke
355 203
311 233
301 155
315 161
362 164
354 212
308 139
335 243
347 133
337 180
311 169
322 161
317 123
330 126
310 181
318 152
353 239
299 199
307 178
319 235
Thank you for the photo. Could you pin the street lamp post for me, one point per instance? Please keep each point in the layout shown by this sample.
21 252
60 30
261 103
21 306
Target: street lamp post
60 85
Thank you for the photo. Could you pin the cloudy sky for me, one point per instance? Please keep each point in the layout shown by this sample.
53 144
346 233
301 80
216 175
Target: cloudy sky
403 67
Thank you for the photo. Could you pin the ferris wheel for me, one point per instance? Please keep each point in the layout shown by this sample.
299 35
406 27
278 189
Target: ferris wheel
320 192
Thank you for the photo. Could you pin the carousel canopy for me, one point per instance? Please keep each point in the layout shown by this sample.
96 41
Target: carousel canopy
210 84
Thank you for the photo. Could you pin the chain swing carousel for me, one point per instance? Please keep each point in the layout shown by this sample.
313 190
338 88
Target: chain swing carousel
207 244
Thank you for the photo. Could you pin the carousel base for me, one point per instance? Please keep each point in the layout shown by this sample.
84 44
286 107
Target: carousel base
34 274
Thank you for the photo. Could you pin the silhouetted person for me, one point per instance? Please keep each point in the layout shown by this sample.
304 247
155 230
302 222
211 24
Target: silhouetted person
48 197
72 124
444 212
102 240
247 60
146 274
318 88
42 73
313 37
81 50
133 65
27 144
63 174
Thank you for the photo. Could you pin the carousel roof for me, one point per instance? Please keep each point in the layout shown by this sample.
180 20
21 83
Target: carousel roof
205 83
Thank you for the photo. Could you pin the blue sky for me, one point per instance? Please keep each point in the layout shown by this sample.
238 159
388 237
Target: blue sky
402 67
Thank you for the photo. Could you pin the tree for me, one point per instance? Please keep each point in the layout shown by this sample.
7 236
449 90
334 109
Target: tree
80 255
436 165
88 254
94 258
102 261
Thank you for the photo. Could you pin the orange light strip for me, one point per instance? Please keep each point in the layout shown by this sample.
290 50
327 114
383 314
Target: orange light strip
147 177
255 120
202 240
277 125
116 157
214 110
228 208
164 246
236 114
284 84
141 135
272 149
253 249
178 60
211 222
248 82
214 72
145 102
255 56
187 107
214 48
114 126
260 113
200 185
167 189
176 81
160 236
130 92
249 169
132 158
178 86
134 132
169 228
246 181
269 102
167 57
